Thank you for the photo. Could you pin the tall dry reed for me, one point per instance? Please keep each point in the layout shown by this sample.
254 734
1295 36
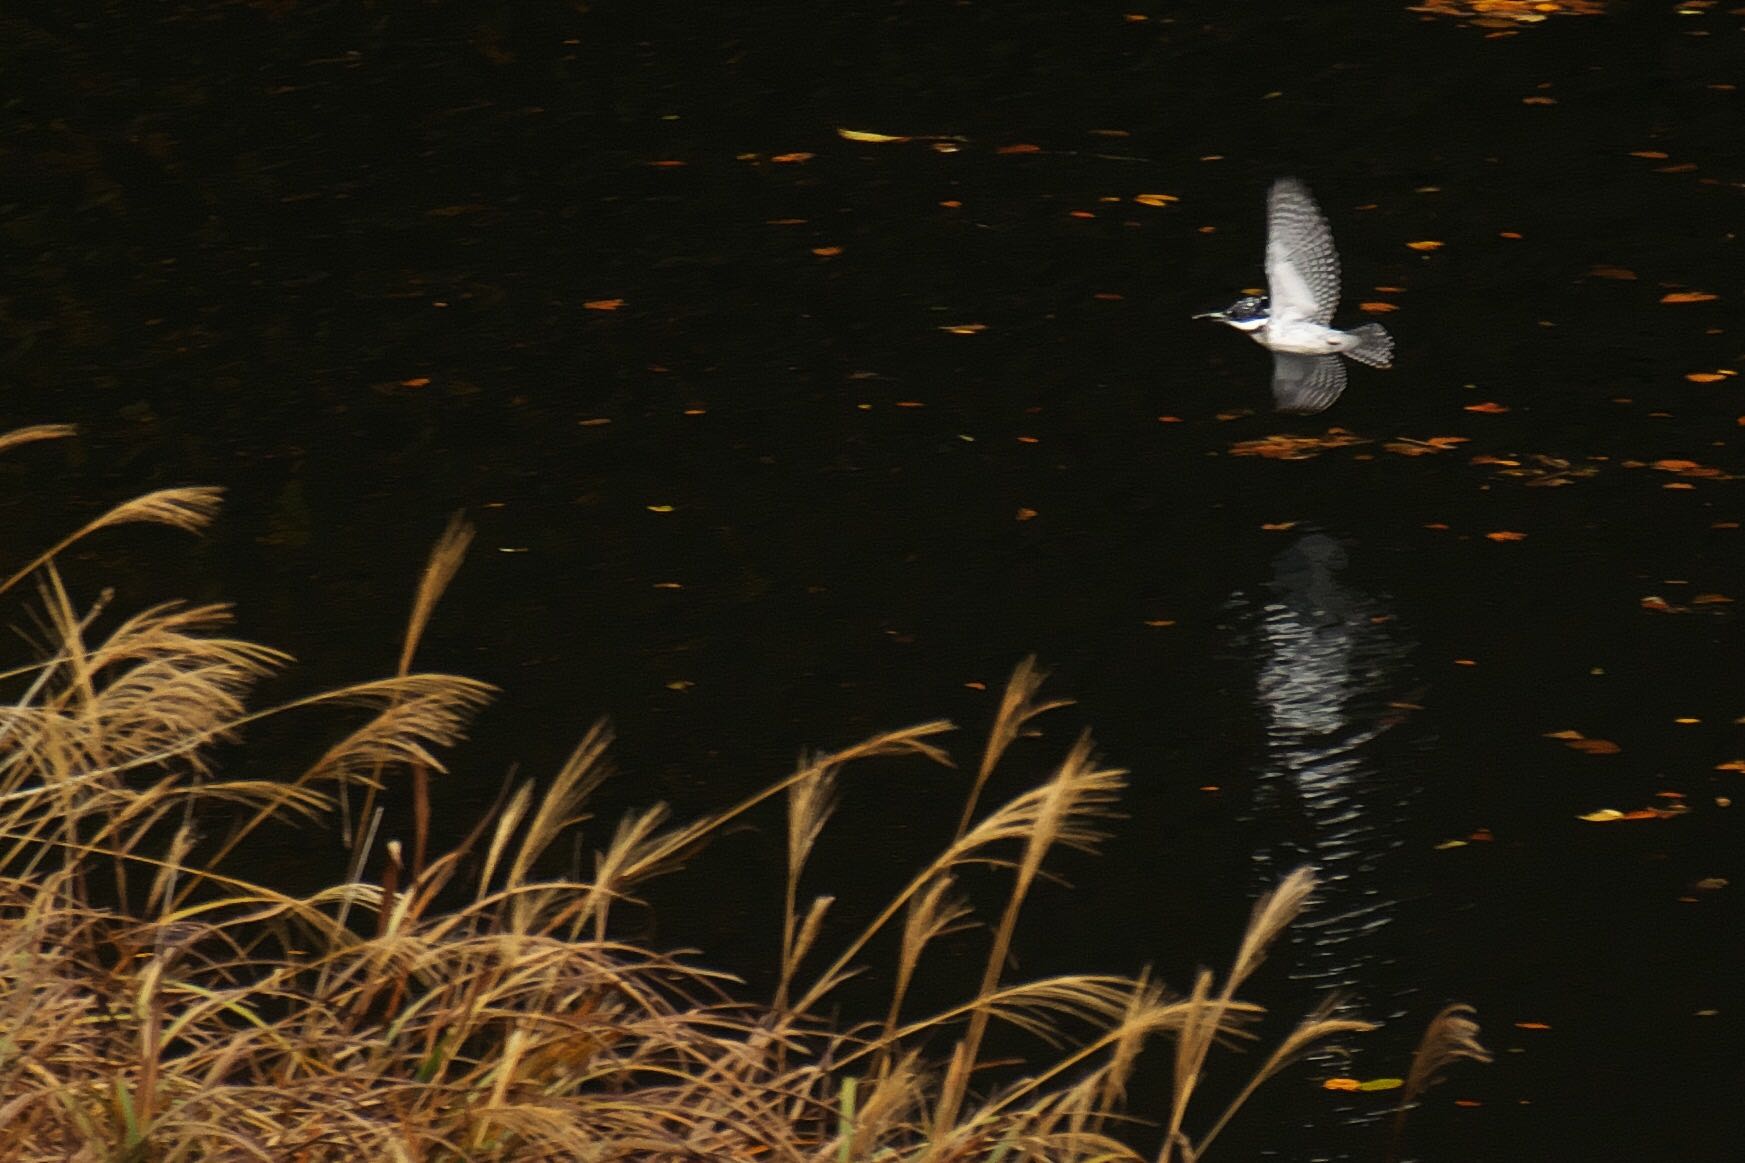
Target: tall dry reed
157 1005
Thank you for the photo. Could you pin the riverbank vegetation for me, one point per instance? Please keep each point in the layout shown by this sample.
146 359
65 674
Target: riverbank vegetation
478 1003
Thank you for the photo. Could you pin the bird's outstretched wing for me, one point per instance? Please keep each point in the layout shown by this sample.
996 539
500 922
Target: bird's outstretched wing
1302 268
1306 383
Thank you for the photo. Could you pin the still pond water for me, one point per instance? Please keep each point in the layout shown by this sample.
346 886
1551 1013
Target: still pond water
775 437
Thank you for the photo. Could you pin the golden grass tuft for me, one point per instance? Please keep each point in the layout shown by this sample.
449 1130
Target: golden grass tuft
156 1005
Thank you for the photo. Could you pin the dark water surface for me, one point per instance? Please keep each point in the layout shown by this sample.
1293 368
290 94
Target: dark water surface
338 257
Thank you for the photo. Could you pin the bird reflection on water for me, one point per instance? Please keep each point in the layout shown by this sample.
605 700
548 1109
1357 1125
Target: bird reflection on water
1330 667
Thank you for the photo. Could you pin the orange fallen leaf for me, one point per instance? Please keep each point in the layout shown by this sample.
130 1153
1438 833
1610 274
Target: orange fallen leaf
1025 514
1704 377
1512 234
1489 407
416 382
964 328
1687 297
1532 1026
826 251
1593 746
1341 1084
1019 147
1278 526
1079 214
1169 420
1651 154
1378 307
976 686
793 158
1505 535
1563 735
1710 600
667 164
1425 244
603 304
1159 623
1538 100
1155 199
1731 765
910 404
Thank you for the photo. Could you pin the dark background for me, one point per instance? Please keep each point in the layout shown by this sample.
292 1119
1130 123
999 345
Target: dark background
232 233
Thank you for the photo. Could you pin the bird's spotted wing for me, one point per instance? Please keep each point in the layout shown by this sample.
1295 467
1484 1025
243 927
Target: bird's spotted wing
1306 383
1302 268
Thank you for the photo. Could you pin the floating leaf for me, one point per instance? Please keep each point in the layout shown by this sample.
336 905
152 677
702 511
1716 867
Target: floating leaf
1285 447
603 304
1019 147
1026 514
660 508
1607 271
1704 377
1601 816
794 158
964 328
1505 535
864 135
1426 244
1532 1026
1341 1084
1374 1084
1593 746
1687 297
1489 408
1377 307
826 251
1155 199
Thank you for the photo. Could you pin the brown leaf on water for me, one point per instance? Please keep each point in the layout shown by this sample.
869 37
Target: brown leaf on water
1026 514
1285 447
1426 244
603 304
1489 407
826 251
1650 154
1378 307
1688 297
1565 734
1607 271
1407 446
1593 746
1020 147
794 158
1710 600
1505 535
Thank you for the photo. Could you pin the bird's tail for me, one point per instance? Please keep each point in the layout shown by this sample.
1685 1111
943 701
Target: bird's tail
1375 346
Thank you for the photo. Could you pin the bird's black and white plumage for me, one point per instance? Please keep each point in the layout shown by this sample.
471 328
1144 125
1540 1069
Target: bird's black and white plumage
1294 320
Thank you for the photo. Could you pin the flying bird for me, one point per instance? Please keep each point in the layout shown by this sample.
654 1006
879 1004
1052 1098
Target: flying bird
1293 319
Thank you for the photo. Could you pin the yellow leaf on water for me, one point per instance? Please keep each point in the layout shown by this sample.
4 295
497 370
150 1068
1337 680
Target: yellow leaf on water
1155 199
864 135
1425 244
1687 297
1564 735
793 158
660 508
1602 816
964 328
1382 1084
